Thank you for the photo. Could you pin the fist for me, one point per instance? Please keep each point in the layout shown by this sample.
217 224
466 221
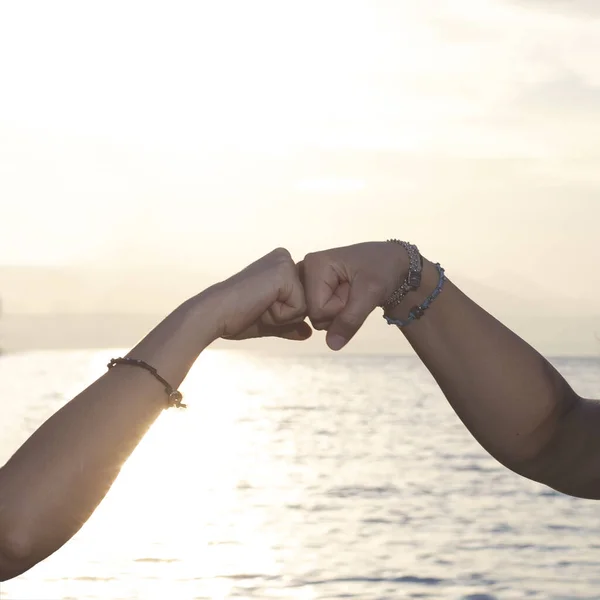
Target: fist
344 285
265 299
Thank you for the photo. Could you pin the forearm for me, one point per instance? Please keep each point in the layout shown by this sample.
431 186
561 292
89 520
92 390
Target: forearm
510 398
53 483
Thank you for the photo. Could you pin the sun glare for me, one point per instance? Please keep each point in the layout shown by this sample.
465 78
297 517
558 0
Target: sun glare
178 505
186 476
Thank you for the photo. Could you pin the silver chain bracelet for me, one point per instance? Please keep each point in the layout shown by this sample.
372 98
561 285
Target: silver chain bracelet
413 279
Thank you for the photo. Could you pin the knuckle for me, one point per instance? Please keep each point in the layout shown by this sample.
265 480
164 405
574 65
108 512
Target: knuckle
278 318
351 319
316 313
303 310
300 308
281 253
313 258
284 263
319 325
372 289
267 318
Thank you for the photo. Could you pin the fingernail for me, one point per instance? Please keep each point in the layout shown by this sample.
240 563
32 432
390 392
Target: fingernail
336 342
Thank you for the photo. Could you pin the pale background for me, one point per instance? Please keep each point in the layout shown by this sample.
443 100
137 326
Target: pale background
150 149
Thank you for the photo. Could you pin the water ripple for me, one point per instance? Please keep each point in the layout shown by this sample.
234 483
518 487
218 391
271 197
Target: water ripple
309 478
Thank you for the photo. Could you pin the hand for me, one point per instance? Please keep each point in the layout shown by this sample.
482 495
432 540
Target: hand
265 299
344 285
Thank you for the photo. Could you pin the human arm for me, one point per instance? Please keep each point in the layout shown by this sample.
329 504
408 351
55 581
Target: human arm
56 479
519 408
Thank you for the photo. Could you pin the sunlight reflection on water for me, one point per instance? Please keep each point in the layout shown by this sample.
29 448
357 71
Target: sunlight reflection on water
305 478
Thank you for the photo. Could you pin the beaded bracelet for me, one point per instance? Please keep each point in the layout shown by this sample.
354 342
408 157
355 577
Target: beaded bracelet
418 311
174 396
413 278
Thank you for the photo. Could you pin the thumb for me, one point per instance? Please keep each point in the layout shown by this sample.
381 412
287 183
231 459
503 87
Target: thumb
363 298
291 331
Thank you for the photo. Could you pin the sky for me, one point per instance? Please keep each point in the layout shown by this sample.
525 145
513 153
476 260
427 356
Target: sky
200 135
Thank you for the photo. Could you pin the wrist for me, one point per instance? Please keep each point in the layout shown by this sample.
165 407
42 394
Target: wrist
399 261
429 281
203 313
177 341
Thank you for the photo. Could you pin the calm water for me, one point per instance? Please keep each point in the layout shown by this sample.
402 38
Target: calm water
305 478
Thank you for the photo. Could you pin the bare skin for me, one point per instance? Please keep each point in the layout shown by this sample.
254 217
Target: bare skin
512 400
518 407
57 478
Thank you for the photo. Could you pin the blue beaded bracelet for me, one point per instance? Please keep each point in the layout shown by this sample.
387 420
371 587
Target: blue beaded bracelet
418 311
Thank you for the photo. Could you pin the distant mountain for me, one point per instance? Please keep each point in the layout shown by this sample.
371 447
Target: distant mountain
152 290
84 308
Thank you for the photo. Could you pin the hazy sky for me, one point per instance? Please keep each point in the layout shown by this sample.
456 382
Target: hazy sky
204 134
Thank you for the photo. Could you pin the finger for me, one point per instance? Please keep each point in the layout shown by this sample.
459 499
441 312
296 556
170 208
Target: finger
300 271
291 303
290 331
321 284
362 300
251 332
321 325
293 331
281 313
272 318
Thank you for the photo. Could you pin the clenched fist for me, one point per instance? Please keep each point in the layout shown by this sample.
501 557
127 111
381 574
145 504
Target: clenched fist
265 299
344 285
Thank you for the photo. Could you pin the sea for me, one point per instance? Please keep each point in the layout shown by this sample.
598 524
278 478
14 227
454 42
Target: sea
332 476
